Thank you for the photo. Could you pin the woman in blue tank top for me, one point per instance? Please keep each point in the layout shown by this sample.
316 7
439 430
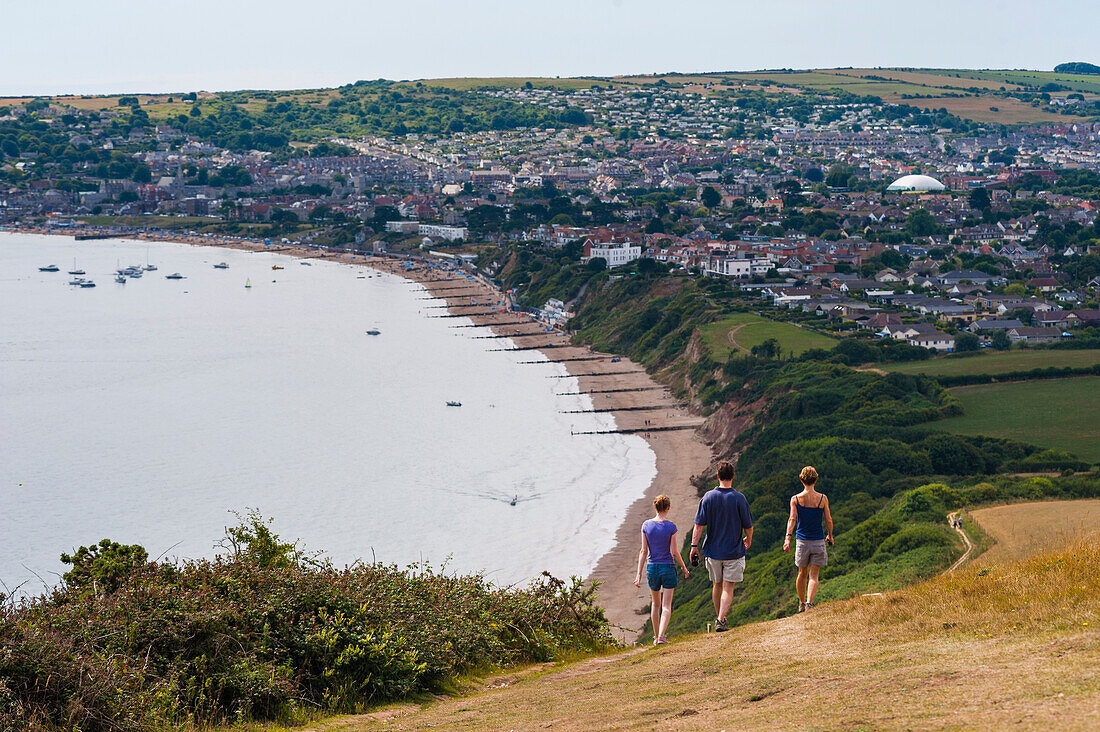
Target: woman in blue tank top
809 510
660 546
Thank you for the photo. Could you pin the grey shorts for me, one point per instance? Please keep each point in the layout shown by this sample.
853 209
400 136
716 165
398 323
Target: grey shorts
726 570
810 552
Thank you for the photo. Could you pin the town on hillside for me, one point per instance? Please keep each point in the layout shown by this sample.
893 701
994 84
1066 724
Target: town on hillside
913 224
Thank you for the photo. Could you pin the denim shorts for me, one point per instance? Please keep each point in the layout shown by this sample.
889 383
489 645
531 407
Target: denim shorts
661 576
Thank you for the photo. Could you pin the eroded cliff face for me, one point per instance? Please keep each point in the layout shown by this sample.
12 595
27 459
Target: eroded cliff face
727 423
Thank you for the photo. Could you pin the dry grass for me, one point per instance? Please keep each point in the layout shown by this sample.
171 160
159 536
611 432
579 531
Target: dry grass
979 648
1008 111
1024 529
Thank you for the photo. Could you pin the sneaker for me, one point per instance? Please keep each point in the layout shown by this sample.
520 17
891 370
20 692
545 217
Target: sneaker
810 605
660 641
801 606
721 625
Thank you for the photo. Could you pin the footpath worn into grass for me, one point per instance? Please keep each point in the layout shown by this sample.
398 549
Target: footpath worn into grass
986 647
742 331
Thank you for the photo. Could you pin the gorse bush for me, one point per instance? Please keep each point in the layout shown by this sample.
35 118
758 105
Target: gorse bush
264 632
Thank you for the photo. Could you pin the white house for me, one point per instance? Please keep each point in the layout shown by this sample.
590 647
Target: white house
616 254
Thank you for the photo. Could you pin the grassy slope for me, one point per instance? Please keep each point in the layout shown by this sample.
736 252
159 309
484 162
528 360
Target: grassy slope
1023 529
754 330
996 362
988 646
1057 413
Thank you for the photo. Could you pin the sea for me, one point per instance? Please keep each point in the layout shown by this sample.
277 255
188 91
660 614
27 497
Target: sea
151 412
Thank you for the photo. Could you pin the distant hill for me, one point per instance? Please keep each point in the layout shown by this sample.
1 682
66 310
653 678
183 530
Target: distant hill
1077 67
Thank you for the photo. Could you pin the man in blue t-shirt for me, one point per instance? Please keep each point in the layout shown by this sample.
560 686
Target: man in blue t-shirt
725 514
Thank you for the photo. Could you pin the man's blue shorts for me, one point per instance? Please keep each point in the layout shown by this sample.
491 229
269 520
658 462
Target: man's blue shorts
661 576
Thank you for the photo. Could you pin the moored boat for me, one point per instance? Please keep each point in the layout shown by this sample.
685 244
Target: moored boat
221 265
174 276
50 268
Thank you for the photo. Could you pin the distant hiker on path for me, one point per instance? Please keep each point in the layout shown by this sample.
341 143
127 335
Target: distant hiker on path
660 544
724 513
808 509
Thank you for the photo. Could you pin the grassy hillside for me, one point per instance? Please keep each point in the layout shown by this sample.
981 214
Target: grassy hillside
989 646
997 362
1063 414
1022 530
744 331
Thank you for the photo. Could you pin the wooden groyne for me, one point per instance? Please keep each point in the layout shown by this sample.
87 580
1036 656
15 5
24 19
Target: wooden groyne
566 360
535 348
634 431
466 315
103 235
490 325
597 373
617 409
611 391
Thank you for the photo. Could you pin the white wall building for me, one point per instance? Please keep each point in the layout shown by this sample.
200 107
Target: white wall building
616 254
450 233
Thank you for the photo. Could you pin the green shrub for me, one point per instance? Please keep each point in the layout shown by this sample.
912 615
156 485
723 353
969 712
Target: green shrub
261 632
909 539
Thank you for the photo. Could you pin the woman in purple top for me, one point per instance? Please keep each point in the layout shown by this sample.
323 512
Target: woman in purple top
659 544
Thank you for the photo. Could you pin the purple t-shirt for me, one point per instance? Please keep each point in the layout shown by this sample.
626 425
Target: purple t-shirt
658 534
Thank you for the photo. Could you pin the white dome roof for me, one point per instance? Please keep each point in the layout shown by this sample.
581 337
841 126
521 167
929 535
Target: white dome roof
916 183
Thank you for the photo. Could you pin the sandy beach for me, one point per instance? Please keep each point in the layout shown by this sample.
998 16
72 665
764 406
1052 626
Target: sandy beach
638 404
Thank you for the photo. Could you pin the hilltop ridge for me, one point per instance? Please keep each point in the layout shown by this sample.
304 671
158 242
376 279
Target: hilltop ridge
991 645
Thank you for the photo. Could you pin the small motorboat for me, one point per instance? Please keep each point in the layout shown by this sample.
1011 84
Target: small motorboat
50 268
221 265
174 276
372 331
76 281
87 283
454 404
120 279
150 268
275 266
305 264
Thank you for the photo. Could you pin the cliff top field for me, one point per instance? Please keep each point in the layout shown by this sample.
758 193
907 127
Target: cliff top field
1056 413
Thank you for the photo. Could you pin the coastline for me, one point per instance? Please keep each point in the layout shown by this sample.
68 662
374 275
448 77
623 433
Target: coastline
679 452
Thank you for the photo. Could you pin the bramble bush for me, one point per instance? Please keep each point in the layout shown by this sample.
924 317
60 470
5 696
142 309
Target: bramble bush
263 632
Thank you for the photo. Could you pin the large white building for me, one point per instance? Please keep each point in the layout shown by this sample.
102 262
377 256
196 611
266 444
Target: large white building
915 184
616 254
728 267
450 233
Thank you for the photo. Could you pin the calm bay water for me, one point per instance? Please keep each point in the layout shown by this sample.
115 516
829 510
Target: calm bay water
144 412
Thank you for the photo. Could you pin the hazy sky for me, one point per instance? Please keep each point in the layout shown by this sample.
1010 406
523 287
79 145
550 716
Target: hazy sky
58 46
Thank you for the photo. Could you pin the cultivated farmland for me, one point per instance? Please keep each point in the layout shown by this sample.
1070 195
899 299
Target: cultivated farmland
1057 413
997 362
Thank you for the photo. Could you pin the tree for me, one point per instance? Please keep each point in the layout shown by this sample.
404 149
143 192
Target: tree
966 342
920 223
596 264
103 566
710 197
979 199
1000 341
814 175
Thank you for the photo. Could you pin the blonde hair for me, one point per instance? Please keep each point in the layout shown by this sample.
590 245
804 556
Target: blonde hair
808 476
662 503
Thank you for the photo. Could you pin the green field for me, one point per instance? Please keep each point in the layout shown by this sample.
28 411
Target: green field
996 362
1059 413
160 222
752 330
